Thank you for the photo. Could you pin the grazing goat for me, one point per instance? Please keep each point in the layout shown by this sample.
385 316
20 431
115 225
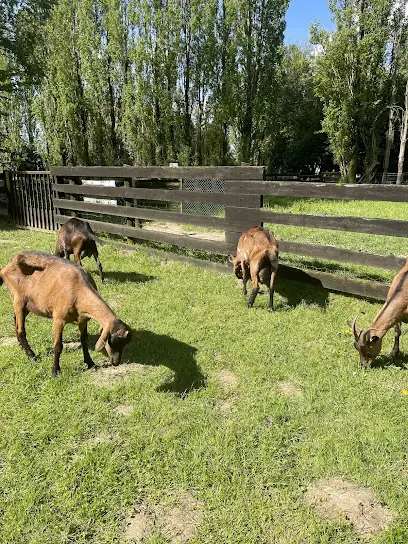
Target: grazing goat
394 312
257 256
76 237
52 287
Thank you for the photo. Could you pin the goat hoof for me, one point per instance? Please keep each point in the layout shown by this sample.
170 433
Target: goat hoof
54 373
271 310
34 358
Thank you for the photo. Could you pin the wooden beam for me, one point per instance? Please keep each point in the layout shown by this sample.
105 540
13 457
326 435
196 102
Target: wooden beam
162 172
387 193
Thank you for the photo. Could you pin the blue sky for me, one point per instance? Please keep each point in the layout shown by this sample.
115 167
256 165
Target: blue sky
300 16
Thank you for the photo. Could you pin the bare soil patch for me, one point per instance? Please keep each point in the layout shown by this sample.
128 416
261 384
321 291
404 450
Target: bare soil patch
8 341
290 389
125 410
334 497
171 228
228 380
225 406
102 438
111 375
177 521
72 346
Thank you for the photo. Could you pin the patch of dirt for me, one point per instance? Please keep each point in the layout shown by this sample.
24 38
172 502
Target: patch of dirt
225 406
127 251
102 438
177 522
334 497
8 341
125 410
228 380
217 235
290 389
72 346
111 375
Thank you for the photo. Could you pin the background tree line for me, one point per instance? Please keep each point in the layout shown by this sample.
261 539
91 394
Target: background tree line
201 82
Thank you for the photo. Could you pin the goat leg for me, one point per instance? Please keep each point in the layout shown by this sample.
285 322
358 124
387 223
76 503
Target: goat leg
255 287
58 328
244 278
98 262
83 329
271 291
397 334
20 314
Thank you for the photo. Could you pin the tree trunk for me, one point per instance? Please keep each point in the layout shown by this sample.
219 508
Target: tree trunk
389 140
404 133
352 169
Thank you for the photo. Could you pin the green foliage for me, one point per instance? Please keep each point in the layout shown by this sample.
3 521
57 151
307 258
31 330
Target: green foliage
352 80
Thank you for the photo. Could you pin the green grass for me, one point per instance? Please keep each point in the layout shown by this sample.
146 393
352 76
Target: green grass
249 467
382 245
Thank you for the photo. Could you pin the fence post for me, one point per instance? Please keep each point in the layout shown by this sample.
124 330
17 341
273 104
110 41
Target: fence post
234 215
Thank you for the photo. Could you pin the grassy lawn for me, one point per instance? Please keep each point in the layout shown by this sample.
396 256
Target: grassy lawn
205 414
381 245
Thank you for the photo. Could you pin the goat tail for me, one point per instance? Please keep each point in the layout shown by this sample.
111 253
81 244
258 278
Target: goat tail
1 278
98 240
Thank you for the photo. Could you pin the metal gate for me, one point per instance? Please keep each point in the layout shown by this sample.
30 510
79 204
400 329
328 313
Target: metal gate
31 199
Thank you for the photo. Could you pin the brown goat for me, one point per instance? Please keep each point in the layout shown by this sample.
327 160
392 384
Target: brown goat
52 287
394 312
76 237
257 256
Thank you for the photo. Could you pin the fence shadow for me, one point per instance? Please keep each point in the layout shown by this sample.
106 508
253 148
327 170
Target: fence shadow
149 348
132 277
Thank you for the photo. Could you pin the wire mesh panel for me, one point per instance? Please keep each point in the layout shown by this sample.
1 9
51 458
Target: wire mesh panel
203 186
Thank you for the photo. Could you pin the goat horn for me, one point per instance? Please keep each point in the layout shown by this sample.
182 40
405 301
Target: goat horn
356 336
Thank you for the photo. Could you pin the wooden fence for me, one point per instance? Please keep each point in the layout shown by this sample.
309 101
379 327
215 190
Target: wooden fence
242 201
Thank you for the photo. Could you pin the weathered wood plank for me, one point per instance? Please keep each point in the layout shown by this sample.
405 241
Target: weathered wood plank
390 262
385 227
163 172
387 193
156 236
153 215
156 194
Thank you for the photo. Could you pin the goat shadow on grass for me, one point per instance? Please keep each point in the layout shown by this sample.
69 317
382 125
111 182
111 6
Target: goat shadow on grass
384 361
305 290
132 277
149 348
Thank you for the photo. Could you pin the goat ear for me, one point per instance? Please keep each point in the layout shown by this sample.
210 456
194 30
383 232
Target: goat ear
231 259
100 344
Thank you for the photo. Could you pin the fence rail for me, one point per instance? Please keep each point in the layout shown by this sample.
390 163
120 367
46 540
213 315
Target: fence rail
47 199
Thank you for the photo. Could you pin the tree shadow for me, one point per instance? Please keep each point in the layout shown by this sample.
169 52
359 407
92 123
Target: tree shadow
132 277
149 348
